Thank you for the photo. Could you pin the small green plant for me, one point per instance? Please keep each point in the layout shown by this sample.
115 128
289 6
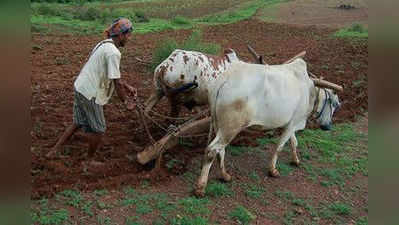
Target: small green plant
288 217
61 60
284 168
186 220
180 20
104 220
299 202
355 31
103 205
128 201
50 217
73 197
86 207
287 195
143 208
254 191
236 150
132 221
357 28
100 193
217 189
47 9
162 51
141 17
242 214
192 43
334 177
340 208
47 216
362 221
171 163
195 206
266 141
129 191
254 176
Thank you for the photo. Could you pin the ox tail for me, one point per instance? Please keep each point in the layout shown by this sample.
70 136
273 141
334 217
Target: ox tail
213 108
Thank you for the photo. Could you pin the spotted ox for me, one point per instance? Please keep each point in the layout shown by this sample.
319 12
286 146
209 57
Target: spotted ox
271 96
186 76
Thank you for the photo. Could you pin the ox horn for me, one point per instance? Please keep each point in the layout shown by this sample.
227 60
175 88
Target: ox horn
258 59
300 55
326 84
317 82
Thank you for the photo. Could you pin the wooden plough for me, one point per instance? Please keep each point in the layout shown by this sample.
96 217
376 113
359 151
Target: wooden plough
199 126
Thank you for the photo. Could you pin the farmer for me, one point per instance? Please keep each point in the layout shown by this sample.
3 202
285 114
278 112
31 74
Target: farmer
94 87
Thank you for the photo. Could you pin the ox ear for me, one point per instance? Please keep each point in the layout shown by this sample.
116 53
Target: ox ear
228 51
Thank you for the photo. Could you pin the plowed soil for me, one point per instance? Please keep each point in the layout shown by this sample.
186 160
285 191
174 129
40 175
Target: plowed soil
57 59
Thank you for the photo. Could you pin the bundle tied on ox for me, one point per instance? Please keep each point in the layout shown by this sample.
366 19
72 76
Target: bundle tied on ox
270 96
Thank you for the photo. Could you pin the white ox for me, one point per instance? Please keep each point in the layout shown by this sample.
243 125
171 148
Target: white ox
184 69
271 96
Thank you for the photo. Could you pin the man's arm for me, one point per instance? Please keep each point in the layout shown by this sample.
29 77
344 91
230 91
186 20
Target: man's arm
124 97
120 90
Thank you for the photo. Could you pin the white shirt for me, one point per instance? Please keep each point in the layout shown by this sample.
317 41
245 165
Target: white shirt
95 78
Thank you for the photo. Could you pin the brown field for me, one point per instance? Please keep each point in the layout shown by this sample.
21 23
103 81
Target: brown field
57 62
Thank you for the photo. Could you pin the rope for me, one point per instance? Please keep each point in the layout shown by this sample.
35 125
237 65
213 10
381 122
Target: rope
171 129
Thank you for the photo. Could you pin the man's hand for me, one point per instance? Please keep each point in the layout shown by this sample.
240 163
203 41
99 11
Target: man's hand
131 89
130 105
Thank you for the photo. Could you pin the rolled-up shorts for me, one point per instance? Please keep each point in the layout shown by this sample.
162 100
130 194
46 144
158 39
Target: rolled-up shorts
88 115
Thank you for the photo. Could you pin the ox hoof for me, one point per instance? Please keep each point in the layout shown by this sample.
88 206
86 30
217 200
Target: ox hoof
199 192
295 163
274 173
226 177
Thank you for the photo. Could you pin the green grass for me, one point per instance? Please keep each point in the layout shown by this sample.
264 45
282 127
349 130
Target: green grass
187 220
254 176
93 18
335 155
132 220
194 206
288 217
245 11
100 193
287 195
193 43
362 221
50 217
266 141
218 189
254 191
87 208
284 169
340 208
72 198
45 215
180 20
241 214
60 24
236 150
269 10
143 208
355 31
335 210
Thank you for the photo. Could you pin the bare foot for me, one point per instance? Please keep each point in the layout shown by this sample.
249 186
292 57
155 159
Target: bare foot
274 173
199 192
295 163
226 177
52 153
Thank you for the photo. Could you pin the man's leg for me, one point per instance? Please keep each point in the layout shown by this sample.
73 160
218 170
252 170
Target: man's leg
65 136
95 142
